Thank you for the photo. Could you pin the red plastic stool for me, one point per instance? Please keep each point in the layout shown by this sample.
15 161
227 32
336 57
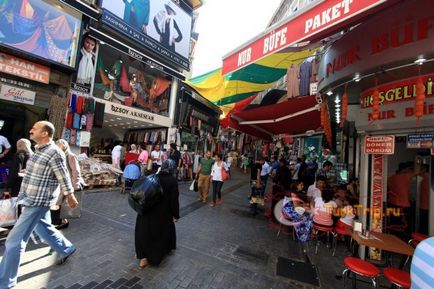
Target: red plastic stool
362 268
398 278
416 238
343 232
318 228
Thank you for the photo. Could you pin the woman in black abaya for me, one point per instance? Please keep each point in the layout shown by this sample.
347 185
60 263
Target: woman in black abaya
155 234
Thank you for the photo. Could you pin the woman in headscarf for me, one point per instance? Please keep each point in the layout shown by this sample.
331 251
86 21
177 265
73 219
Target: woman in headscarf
76 179
17 165
155 234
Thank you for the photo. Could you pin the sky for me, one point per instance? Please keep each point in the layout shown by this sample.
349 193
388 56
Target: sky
223 25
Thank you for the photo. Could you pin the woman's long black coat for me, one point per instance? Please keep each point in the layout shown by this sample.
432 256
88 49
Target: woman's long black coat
155 233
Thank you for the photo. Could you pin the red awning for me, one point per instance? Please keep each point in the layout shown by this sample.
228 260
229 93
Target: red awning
321 20
294 116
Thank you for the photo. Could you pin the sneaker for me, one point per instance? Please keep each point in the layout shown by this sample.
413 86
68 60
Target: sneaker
212 204
219 202
63 259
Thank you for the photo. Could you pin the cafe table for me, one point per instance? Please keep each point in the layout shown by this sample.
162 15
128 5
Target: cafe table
383 241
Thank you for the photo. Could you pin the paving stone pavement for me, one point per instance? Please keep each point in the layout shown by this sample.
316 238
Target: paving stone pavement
221 247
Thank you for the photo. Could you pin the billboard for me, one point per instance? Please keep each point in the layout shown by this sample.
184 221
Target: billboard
124 80
45 29
161 26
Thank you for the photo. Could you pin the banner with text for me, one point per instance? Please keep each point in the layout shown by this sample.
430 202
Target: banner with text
17 94
320 18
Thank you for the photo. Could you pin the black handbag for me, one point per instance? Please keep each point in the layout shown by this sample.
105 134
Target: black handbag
196 187
145 193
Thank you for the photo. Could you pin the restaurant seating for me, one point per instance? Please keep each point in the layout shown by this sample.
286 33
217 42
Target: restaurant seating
416 238
341 231
362 268
398 278
326 230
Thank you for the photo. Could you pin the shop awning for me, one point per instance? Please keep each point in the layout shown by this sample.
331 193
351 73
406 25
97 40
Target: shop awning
295 116
321 19
233 87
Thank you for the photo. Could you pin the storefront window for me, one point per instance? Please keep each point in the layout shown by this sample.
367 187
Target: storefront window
124 80
190 140
45 29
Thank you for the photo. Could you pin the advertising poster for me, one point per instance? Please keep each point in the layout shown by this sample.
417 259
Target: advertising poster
125 80
83 79
44 29
376 209
161 26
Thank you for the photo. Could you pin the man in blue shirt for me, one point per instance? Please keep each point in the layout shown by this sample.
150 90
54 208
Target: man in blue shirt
45 171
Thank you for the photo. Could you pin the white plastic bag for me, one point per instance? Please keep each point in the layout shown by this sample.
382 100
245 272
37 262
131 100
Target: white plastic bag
192 185
8 212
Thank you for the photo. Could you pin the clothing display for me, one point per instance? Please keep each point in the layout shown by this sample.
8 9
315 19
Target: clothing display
292 79
305 73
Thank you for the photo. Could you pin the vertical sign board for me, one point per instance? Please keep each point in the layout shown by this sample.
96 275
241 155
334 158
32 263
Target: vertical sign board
376 209
378 146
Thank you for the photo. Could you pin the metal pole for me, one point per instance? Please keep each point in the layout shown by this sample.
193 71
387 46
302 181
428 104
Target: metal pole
173 99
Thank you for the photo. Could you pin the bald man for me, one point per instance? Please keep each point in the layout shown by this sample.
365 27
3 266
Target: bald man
46 171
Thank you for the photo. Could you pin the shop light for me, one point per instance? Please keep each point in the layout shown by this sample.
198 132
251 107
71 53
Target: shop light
337 100
421 60
357 77
337 105
329 92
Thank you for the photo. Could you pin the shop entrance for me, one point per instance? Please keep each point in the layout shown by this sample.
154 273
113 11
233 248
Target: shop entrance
18 120
410 171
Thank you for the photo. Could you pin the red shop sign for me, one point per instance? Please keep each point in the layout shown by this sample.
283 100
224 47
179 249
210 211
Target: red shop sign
380 145
320 18
403 90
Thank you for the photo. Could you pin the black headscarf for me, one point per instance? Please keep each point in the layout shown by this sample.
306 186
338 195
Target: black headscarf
168 167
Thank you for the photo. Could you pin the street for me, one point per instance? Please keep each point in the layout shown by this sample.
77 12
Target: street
221 247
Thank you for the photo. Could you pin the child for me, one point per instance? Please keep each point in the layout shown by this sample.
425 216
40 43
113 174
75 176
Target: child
245 163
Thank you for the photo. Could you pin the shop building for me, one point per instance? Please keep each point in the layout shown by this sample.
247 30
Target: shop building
197 121
385 72
135 69
35 70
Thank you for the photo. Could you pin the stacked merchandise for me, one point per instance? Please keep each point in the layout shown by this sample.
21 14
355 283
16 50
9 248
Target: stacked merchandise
97 173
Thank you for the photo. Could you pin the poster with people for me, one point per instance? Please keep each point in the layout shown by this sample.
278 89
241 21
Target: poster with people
162 26
124 80
83 79
41 29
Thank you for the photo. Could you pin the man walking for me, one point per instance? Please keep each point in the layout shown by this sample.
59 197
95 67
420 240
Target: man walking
204 176
45 171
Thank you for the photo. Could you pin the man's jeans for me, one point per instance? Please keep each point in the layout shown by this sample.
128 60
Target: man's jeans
32 218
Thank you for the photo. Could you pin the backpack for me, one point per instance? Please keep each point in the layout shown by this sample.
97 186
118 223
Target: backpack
145 193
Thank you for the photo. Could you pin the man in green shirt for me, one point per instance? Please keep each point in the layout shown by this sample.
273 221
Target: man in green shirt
204 176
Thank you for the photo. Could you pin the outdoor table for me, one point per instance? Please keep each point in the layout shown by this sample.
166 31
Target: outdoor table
386 242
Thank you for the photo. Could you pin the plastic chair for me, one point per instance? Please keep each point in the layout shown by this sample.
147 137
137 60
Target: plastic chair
398 278
327 230
361 268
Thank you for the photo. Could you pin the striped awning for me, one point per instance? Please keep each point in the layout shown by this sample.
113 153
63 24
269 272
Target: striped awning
243 83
